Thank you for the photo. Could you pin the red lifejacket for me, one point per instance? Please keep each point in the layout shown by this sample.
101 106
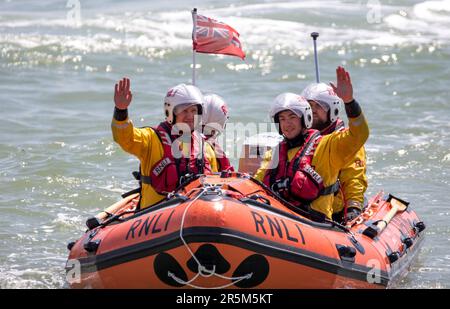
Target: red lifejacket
169 172
302 183
221 157
338 125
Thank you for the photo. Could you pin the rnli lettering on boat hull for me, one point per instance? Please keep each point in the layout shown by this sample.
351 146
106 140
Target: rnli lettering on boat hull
270 225
151 224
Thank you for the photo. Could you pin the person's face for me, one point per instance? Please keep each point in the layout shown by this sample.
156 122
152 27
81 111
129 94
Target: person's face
320 116
187 116
290 124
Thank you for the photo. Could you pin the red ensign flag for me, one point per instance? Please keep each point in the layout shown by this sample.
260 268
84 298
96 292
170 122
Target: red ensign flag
215 37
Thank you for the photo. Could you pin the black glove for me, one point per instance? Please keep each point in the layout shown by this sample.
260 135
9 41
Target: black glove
352 213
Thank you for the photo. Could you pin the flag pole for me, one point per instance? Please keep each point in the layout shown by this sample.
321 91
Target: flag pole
194 39
315 35
194 52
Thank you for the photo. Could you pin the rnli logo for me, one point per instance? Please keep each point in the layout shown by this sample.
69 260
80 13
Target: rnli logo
224 110
300 98
171 92
308 169
160 167
360 163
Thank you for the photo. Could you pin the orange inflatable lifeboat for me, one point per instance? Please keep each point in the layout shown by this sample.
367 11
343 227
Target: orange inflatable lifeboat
230 231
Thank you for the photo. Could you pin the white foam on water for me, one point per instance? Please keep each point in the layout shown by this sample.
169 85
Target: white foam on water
31 278
31 23
433 11
446 158
404 23
112 188
149 33
429 18
66 221
268 8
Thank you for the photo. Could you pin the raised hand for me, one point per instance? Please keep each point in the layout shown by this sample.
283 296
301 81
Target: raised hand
122 94
344 88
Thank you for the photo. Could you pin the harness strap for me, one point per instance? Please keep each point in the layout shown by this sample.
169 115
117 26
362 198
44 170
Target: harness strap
277 150
340 125
305 148
333 189
222 161
146 179
274 171
198 162
142 179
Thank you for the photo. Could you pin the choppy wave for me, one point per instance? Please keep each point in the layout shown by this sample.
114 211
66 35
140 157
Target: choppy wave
429 19
283 26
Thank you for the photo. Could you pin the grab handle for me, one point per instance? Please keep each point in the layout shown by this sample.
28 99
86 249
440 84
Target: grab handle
377 227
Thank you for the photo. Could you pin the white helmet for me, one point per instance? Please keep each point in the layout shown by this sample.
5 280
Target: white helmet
296 104
326 97
180 95
215 114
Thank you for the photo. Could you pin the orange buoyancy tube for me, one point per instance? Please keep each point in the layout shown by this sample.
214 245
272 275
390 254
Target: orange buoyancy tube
297 177
167 172
263 237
